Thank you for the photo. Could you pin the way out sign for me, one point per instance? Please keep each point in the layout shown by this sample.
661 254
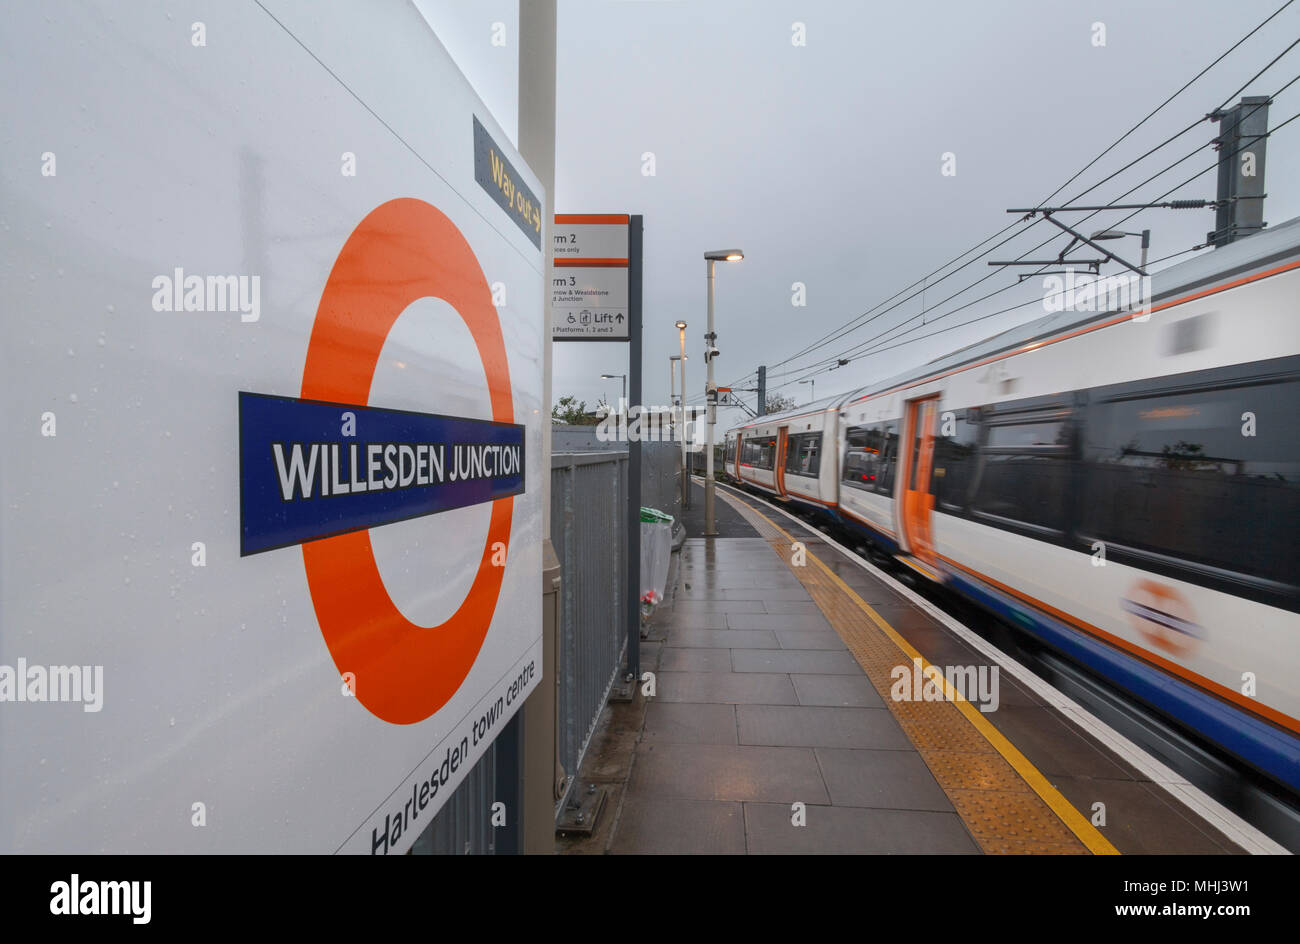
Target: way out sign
589 286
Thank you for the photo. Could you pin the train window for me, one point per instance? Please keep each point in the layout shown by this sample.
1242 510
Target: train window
803 454
1025 473
862 456
1210 477
954 460
915 466
888 459
759 453
731 450
792 453
870 453
1028 435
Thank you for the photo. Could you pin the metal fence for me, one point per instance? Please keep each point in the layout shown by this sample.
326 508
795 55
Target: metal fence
660 462
589 533
464 824
699 461
660 486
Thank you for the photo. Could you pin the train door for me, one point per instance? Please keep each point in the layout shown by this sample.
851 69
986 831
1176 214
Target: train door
782 442
917 453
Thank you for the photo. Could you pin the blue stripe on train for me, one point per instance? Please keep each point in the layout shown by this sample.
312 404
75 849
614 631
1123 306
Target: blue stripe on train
1267 747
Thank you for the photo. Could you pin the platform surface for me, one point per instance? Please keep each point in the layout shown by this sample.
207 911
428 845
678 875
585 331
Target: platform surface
778 725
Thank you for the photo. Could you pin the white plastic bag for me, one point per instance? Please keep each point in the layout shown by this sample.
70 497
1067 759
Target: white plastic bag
656 549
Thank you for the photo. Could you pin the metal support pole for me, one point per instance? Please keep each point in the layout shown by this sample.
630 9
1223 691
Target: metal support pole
541 768
710 524
1243 134
508 786
686 472
634 452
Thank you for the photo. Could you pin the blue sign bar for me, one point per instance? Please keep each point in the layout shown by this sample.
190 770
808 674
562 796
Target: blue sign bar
310 470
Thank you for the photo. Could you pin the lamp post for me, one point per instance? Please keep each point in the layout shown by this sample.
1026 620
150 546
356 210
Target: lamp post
622 401
679 415
812 381
681 430
1120 234
710 391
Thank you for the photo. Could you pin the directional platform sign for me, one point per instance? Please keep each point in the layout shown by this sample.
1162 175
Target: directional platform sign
589 286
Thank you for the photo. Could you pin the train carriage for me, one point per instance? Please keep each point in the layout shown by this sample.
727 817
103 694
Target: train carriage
1123 486
791 456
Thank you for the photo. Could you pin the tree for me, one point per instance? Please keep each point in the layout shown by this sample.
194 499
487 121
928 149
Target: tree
779 404
571 410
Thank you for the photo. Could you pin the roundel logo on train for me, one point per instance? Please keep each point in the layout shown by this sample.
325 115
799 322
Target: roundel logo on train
1163 617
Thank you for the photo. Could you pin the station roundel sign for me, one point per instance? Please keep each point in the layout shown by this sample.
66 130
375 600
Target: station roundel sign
404 250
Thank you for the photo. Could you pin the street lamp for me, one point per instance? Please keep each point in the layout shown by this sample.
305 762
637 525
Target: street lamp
812 381
710 391
680 421
681 430
1120 234
611 377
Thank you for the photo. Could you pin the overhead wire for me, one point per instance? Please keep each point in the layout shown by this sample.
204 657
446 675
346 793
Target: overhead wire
861 320
865 318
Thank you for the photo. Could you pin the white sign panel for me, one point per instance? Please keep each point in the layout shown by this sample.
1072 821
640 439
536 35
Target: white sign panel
589 284
590 241
589 303
270 500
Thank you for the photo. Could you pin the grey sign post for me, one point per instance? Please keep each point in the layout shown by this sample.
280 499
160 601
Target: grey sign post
596 296
634 452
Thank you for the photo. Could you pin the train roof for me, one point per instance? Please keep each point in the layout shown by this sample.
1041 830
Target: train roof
816 406
1240 256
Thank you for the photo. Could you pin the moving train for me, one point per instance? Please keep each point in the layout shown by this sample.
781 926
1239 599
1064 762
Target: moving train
1123 485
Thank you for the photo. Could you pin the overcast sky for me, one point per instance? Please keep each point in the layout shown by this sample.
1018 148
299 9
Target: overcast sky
823 161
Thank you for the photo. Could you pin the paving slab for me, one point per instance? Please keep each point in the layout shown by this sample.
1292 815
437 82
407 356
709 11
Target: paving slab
808 639
695 660
690 723
897 780
836 830
845 691
801 661
695 607
725 772
723 639
731 688
656 826
809 726
814 621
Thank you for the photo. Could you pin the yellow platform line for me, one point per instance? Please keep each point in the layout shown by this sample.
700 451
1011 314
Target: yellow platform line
1072 819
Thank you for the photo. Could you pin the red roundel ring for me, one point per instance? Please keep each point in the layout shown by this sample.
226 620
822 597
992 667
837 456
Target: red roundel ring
402 251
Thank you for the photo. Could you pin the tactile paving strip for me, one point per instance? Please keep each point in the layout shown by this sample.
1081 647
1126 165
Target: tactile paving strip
1004 814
